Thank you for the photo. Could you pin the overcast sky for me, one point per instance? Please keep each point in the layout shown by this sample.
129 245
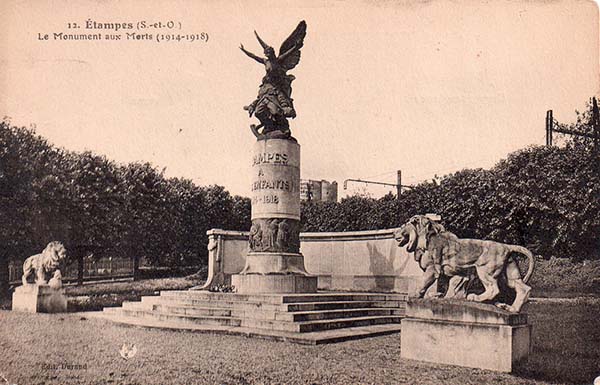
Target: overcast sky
428 87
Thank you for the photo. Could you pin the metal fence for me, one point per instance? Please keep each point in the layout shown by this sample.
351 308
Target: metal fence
102 268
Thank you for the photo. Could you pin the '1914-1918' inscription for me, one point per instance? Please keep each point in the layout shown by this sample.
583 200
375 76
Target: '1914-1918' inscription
266 199
142 30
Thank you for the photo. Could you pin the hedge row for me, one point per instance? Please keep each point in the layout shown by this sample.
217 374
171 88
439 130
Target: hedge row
545 198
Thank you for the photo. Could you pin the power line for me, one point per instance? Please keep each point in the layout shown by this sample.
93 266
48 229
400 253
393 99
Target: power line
417 178
398 185
552 125
375 176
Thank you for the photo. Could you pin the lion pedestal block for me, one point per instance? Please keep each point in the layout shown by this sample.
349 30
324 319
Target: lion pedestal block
464 333
35 298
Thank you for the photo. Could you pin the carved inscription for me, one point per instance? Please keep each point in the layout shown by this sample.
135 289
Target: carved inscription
276 179
270 186
269 157
285 185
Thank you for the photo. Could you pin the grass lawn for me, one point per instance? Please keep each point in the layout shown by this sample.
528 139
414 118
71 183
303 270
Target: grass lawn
566 349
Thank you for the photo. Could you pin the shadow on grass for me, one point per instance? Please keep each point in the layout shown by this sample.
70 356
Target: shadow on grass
566 342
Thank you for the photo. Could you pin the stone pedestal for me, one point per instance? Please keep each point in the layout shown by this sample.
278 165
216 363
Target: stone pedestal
35 298
274 263
462 333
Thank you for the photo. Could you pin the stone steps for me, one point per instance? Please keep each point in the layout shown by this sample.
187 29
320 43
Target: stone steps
292 316
332 305
279 302
309 338
319 325
229 303
316 315
179 318
291 307
276 325
268 313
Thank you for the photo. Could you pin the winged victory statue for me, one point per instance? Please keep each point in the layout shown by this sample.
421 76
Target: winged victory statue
274 104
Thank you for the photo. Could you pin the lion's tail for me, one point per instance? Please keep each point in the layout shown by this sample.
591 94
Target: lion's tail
530 257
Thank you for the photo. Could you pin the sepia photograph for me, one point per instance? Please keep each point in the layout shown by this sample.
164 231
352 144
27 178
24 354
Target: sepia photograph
318 192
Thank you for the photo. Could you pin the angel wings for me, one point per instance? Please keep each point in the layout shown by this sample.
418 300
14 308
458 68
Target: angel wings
289 52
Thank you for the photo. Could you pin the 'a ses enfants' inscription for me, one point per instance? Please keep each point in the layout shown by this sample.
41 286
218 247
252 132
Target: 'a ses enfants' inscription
276 179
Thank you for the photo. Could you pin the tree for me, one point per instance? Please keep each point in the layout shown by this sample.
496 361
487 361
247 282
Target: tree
24 158
97 207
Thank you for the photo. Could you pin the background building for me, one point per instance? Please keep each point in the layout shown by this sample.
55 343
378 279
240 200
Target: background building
318 190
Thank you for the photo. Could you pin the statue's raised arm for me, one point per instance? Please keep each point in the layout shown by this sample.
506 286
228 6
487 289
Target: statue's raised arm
274 103
251 55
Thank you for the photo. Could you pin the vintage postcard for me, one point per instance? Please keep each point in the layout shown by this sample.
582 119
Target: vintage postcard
256 192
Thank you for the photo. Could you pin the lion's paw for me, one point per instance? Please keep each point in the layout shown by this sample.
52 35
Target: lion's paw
471 297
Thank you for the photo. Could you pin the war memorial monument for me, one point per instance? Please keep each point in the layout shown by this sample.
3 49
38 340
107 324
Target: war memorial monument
316 288
274 263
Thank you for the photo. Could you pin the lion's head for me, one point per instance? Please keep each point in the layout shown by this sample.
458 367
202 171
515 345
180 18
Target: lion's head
406 234
54 254
416 232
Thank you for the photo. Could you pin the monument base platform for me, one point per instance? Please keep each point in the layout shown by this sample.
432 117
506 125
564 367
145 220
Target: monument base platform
274 263
274 283
463 333
35 298
305 318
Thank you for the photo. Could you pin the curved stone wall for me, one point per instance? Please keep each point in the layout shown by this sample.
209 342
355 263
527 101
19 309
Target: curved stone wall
348 261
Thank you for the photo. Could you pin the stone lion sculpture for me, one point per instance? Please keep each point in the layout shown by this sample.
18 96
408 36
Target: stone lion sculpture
440 252
45 264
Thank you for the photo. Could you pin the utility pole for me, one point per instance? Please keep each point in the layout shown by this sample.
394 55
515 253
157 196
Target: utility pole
549 125
595 123
398 183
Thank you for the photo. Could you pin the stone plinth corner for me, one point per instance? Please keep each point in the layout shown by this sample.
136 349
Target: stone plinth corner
464 333
33 298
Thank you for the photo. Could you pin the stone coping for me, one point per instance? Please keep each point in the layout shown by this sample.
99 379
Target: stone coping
38 289
310 236
462 311
229 233
360 295
39 298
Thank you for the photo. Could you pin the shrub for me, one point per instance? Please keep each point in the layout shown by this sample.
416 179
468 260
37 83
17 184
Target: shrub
545 198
